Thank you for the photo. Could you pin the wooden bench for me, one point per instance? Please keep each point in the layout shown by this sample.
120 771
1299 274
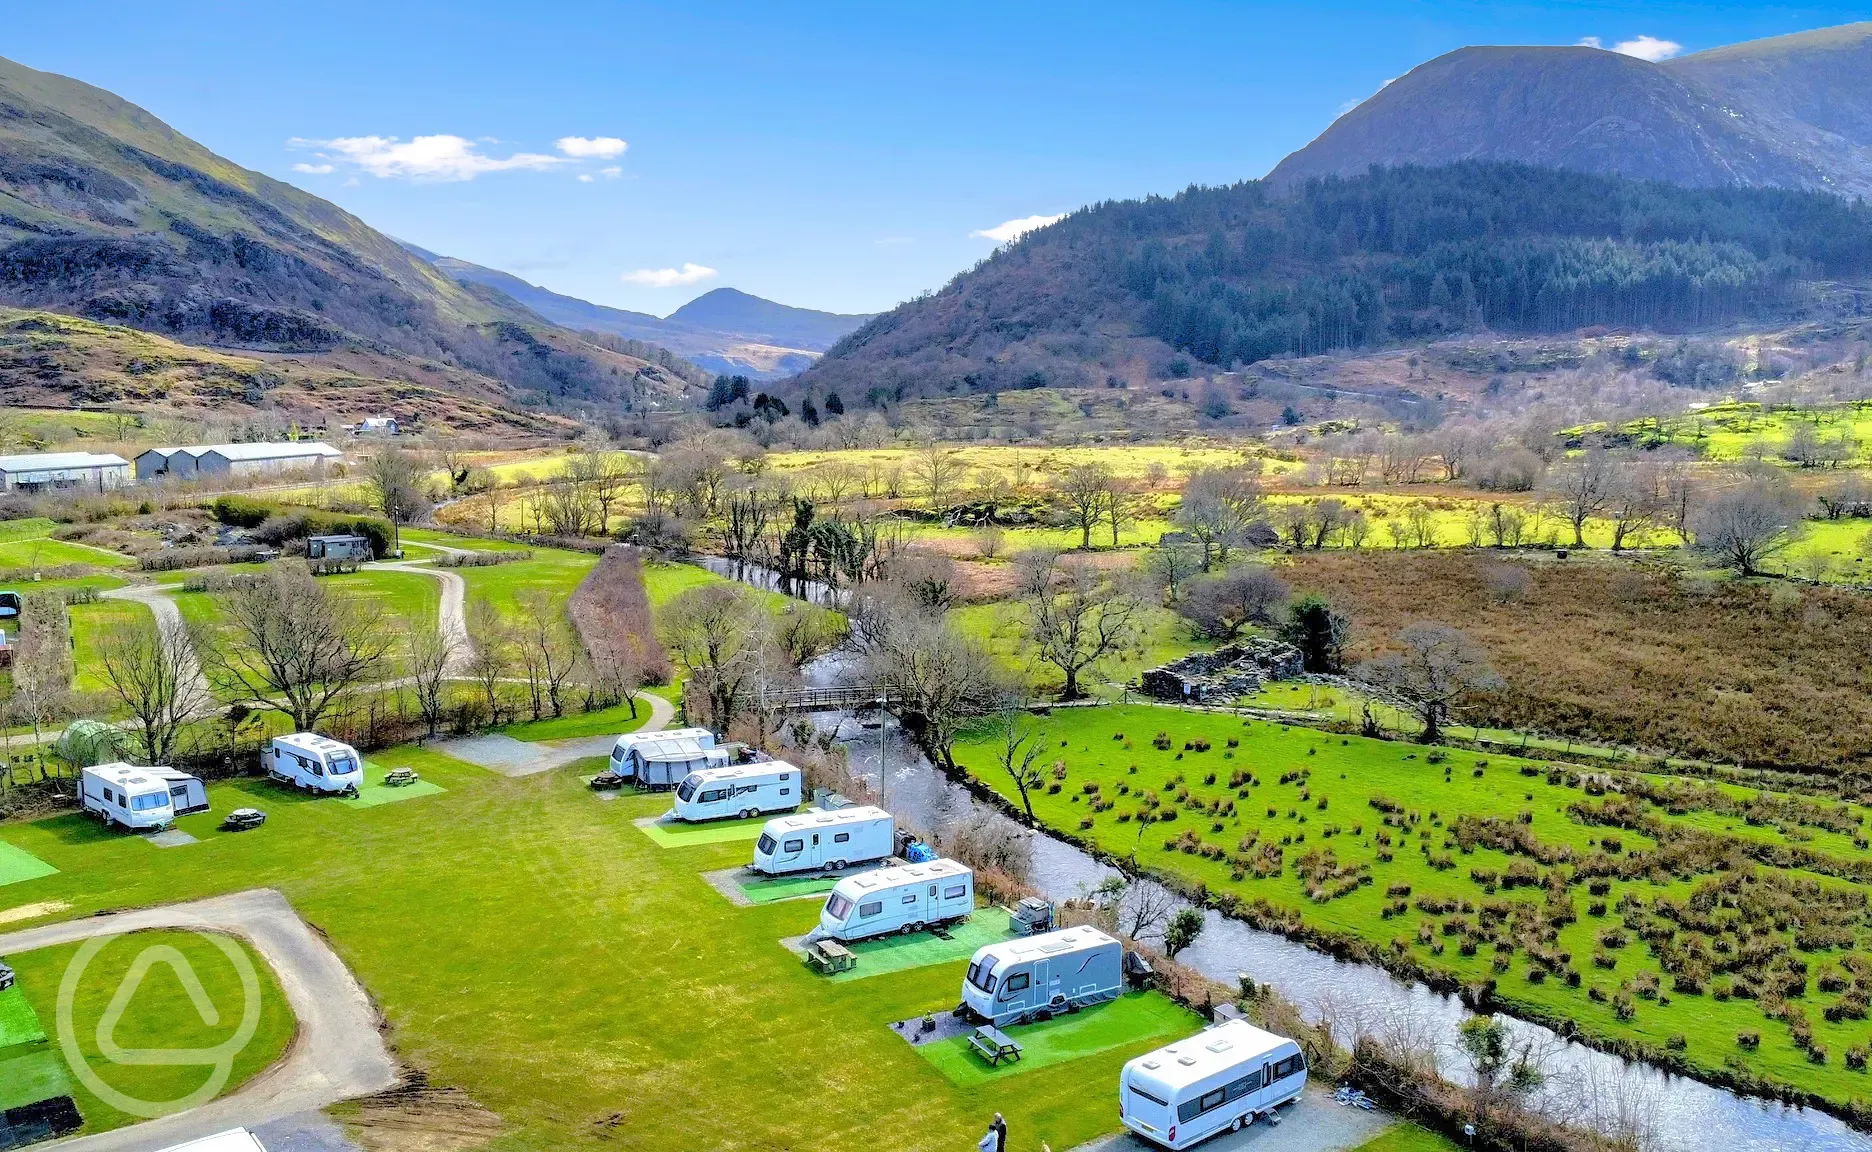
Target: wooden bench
829 956
994 1045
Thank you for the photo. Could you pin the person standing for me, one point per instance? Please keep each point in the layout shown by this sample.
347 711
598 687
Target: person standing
995 1140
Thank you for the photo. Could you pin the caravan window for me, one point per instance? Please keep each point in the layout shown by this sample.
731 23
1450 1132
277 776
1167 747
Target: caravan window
1017 982
1136 1091
838 906
981 974
687 791
714 794
341 765
764 845
148 801
842 838
1282 1069
1208 1102
1239 1088
910 898
792 845
954 891
866 911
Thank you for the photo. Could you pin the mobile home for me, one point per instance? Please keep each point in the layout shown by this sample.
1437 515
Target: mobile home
127 796
907 898
624 763
314 763
745 790
830 840
1040 976
1220 1078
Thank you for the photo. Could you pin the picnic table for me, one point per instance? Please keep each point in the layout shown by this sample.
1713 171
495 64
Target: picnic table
994 1045
829 956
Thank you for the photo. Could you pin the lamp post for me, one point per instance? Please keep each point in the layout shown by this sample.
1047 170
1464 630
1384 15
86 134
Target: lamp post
881 776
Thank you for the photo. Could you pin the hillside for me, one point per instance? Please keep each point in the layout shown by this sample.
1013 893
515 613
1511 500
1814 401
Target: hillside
723 331
109 214
1129 292
1788 112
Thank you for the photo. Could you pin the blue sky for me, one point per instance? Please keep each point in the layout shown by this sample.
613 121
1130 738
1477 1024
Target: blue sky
838 156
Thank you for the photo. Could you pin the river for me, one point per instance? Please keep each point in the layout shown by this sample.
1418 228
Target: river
1584 1086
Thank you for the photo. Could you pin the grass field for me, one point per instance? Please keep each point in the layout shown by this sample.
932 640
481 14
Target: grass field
1162 636
1042 464
1066 1037
45 552
502 927
90 624
1578 905
159 1014
551 570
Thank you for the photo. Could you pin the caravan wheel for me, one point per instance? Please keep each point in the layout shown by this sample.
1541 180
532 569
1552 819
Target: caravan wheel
838 866
749 813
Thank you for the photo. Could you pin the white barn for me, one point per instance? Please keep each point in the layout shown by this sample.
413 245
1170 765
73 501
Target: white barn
63 472
233 459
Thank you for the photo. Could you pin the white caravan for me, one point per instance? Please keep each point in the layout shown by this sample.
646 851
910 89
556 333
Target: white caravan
624 764
745 790
824 840
907 898
1037 977
313 762
1220 1078
126 796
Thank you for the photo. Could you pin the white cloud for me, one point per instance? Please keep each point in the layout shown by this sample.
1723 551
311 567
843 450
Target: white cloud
591 148
1014 229
611 172
431 158
586 177
313 169
669 277
1643 47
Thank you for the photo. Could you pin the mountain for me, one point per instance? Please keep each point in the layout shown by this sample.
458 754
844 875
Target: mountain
724 331
1129 292
1791 112
109 214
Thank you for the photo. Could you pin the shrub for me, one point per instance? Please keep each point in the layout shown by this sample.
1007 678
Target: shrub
1749 1040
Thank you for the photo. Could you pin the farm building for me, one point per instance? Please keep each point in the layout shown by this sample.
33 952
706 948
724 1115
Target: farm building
233 459
63 471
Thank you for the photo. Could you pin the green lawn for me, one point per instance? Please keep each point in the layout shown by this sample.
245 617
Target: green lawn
1132 1017
615 720
628 1004
1162 636
554 571
1372 843
44 552
27 528
1406 1137
90 624
451 540
159 1014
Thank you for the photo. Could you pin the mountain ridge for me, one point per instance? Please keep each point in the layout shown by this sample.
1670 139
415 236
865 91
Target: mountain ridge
1788 111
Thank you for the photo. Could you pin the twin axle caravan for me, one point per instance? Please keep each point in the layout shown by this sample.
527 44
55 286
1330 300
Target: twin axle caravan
1041 976
745 790
907 898
314 763
126 796
1220 1078
828 841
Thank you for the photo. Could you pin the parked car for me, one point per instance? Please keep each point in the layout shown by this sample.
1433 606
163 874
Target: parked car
241 819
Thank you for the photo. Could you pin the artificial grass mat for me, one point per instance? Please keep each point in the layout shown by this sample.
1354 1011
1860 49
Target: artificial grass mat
1132 1017
766 890
17 864
677 834
897 953
19 1024
38 1074
374 791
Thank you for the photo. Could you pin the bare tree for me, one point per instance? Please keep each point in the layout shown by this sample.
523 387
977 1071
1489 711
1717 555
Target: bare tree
1020 754
720 635
430 652
1218 506
942 677
1076 614
547 645
154 669
1580 488
937 471
1084 488
296 648
395 481
1743 526
1633 503
1433 667
1121 505
42 663
490 661
1223 604
1172 565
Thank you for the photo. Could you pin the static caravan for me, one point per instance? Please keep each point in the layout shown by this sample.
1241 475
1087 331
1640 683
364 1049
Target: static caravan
1036 978
338 548
126 796
314 763
829 840
745 790
625 765
907 898
1221 1078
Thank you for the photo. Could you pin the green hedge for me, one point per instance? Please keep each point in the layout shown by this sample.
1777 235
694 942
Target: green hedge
247 512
